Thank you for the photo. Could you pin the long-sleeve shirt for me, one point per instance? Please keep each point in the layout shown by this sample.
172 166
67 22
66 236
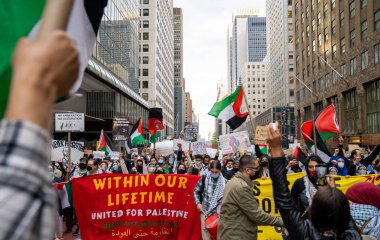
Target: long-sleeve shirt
27 195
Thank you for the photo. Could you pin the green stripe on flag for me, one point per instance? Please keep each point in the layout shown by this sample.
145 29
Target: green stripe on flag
154 136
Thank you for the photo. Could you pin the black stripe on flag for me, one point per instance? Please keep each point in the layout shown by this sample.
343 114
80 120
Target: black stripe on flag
94 10
235 122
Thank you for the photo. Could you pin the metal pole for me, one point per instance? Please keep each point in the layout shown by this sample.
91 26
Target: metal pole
68 155
340 75
249 110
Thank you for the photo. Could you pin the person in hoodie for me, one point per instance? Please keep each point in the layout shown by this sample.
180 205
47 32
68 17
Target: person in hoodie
304 188
340 163
228 170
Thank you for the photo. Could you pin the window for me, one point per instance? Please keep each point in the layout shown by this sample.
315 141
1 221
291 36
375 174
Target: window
341 19
377 20
350 118
145 12
373 101
364 60
145 72
145 60
145 48
146 2
352 9
319 40
363 3
319 19
145 96
333 27
333 52
364 29
352 66
302 18
332 4
145 84
352 38
376 49
342 45
145 24
145 36
343 70
313 45
325 11
313 25
327 56
326 34
335 77
308 50
307 31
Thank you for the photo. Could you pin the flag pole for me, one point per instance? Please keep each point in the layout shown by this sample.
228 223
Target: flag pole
249 110
55 16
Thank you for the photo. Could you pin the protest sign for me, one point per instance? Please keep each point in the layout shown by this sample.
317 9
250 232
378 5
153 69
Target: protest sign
69 122
234 142
164 148
120 129
264 194
185 145
190 131
211 152
261 135
59 151
137 207
200 147
114 155
99 154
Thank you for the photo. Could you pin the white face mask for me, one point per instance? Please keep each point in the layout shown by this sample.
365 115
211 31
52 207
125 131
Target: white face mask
340 164
214 175
362 172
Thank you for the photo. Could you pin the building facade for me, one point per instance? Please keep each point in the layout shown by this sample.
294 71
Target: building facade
337 55
189 107
108 87
179 82
157 59
238 43
280 52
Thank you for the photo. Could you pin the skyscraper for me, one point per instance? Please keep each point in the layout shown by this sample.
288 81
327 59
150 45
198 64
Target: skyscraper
280 52
157 58
179 84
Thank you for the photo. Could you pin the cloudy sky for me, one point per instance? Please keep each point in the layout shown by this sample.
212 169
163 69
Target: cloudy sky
205 49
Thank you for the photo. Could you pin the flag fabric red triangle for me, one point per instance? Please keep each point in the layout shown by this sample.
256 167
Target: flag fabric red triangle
307 131
102 142
296 153
327 124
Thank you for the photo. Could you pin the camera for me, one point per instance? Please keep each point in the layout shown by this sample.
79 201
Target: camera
321 171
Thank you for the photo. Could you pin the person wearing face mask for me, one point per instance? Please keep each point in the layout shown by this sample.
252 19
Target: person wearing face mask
81 169
304 189
103 168
264 164
93 167
240 213
228 170
333 171
139 166
151 168
133 171
362 170
208 192
181 169
341 166
159 170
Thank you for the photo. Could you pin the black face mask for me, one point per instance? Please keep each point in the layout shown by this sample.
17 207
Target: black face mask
264 164
296 168
257 174
159 172
89 168
181 171
82 166
132 172
139 168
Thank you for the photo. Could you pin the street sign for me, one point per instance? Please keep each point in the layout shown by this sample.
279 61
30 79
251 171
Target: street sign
120 129
69 122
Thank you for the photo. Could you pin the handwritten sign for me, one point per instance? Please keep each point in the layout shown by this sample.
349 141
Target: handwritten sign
69 122
164 148
261 135
200 147
234 142
99 154
59 151
211 152
114 155
185 145
137 206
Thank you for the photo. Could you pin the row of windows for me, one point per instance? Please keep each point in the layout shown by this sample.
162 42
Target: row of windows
254 79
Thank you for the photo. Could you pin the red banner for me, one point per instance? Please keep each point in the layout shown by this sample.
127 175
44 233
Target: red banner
118 206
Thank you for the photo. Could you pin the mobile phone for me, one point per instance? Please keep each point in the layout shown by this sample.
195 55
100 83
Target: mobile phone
321 171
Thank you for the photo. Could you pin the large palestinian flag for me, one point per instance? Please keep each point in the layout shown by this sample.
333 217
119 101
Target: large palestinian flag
20 18
137 134
155 123
229 109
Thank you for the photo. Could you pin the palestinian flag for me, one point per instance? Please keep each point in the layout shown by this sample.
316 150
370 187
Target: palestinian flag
300 155
137 137
263 148
307 133
327 124
65 194
21 18
104 144
155 123
229 109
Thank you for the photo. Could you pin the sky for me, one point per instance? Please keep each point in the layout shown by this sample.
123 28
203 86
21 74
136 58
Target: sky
205 50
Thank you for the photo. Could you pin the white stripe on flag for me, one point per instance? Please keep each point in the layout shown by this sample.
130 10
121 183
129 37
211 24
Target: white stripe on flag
227 113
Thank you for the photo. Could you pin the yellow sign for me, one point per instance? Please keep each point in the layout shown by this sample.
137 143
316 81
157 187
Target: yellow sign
264 193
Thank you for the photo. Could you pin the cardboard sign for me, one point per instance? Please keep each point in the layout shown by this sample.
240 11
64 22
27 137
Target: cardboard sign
99 154
59 151
261 135
120 129
234 142
150 206
200 147
185 145
69 122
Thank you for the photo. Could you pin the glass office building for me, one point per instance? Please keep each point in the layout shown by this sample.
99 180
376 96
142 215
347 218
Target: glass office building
257 41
